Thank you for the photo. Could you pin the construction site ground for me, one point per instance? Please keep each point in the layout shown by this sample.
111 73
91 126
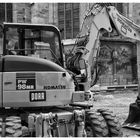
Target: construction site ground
118 102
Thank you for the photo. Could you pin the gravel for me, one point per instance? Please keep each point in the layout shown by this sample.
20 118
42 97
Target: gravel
118 102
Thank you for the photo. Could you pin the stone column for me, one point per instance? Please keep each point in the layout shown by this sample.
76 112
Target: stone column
138 66
53 13
21 12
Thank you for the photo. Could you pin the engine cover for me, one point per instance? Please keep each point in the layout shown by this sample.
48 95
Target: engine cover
33 82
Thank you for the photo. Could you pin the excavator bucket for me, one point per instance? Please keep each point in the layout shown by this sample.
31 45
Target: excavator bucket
133 120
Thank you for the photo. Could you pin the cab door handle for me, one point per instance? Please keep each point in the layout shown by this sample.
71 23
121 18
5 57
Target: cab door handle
7 83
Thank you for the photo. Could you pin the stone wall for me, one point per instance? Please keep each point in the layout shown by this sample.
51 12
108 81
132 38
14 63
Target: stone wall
53 13
132 11
41 13
47 12
21 12
117 69
136 13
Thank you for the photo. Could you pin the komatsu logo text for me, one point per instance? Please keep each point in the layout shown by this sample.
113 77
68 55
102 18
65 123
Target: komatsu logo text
55 87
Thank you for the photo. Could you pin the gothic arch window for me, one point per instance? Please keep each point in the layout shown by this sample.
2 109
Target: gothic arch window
68 19
6 12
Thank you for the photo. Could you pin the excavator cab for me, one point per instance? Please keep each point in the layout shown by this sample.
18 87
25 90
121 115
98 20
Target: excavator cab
32 40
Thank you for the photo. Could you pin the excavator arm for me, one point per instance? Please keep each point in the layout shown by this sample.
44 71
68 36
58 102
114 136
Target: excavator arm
99 19
88 44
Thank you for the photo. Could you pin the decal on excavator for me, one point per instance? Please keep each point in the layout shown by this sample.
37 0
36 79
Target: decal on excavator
37 96
25 81
124 26
55 87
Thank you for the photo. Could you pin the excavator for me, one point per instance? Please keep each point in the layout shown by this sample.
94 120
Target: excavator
40 96
44 95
